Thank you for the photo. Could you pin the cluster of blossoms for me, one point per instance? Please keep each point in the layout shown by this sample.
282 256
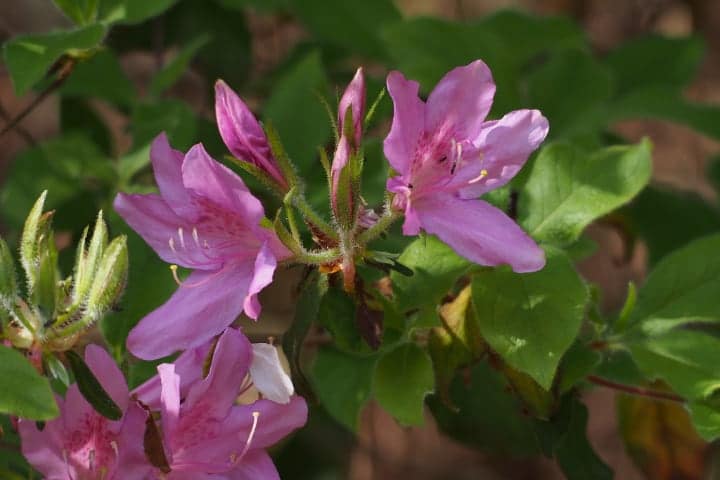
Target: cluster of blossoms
444 155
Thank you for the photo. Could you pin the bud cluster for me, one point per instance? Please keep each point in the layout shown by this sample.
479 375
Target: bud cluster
56 310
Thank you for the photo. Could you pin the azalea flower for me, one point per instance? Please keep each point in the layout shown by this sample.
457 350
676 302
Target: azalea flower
205 219
205 434
242 133
446 155
81 444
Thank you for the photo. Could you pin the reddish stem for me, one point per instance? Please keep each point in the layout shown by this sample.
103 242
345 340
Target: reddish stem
632 390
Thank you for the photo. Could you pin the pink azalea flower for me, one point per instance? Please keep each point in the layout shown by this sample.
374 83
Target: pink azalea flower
242 133
81 444
447 155
205 434
205 219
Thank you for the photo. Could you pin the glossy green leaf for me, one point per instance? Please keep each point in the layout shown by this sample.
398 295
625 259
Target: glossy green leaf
91 388
666 220
100 76
337 315
23 391
436 268
132 11
403 378
353 25
343 384
81 12
296 91
29 57
683 287
531 319
567 188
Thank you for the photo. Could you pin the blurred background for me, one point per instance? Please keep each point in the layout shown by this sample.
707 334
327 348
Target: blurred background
269 50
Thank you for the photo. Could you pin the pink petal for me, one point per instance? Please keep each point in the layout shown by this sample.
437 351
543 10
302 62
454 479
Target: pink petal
43 449
160 227
256 465
242 133
216 393
214 182
265 264
108 374
132 462
268 375
188 366
460 102
479 232
202 307
169 398
505 146
167 166
408 122
354 97
275 422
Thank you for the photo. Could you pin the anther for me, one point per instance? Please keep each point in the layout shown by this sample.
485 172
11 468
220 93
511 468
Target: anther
483 174
173 269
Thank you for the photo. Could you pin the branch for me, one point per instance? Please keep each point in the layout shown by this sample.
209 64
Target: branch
638 391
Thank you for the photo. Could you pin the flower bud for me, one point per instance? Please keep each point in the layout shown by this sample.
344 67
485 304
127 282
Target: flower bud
87 262
243 134
109 281
354 99
8 279
35 225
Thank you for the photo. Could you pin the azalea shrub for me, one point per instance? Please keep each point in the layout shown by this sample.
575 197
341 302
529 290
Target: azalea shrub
425 221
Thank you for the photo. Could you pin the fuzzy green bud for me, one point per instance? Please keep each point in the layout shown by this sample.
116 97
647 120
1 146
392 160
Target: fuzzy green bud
8 279
109 281
88 262
29 248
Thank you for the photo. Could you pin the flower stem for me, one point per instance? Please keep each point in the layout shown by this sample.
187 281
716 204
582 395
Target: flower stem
311 216
316 257
633 390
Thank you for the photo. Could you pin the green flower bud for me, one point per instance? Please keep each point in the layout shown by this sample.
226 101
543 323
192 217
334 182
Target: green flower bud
29 248
109 281
8 279
88 262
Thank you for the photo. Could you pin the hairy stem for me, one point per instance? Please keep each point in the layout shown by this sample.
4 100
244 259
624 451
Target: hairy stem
633 390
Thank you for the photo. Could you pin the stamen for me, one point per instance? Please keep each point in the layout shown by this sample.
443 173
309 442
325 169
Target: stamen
115 448
181 236
91 460
195 236
457 147
171 242
483 174
173 269
255 415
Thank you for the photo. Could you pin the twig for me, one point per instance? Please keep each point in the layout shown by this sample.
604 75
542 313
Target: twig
638 391
63 71
29 139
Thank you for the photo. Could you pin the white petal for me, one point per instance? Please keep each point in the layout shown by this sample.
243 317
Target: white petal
268 375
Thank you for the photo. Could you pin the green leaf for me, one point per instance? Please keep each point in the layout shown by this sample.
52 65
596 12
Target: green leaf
132 163
81 12
531 319
172 71
296 91
29 57
683 287
573 452
342 383
337 314
72 168
100 76
403 378
567 189
352 25
436 268
132 11
571 90
484 413
306 312
666 220
91 388
644 62
23 391
174 117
